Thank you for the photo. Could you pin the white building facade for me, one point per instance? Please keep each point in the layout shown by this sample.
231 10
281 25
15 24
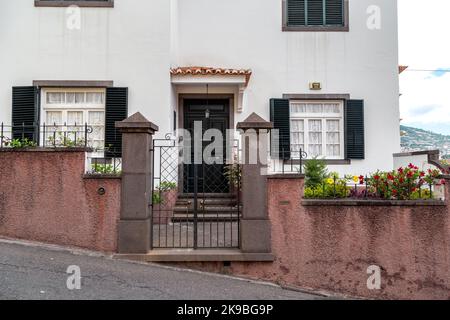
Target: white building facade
325 71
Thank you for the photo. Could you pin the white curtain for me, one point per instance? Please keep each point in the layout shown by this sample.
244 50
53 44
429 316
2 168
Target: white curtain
55 97
314 108
75 97
333 138
97 122
298 108
332 108
54 117
315 137
75 117
94 98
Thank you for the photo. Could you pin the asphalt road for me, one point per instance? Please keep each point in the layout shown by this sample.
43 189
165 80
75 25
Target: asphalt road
40 273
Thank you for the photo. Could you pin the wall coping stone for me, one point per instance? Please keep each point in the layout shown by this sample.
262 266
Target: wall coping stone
92 176
377 203
281 176
42 149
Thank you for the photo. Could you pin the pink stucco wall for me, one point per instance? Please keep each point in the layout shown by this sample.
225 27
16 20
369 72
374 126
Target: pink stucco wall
331 247
45 197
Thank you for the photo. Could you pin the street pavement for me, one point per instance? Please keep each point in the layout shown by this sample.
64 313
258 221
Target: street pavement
37 272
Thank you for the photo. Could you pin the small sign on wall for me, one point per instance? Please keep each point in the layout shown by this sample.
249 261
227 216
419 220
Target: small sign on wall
315 86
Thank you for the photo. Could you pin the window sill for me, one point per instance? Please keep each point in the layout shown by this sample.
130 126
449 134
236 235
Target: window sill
329 162
89 4
316 29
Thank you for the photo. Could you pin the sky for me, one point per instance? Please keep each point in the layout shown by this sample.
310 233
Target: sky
424 44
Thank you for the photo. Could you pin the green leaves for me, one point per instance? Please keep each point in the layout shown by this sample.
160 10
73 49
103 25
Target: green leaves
20 143
315 172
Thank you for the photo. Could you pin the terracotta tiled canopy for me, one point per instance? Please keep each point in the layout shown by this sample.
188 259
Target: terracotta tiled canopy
206 71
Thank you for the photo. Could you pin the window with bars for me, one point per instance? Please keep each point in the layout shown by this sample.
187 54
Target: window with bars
317 127
68 110
315 15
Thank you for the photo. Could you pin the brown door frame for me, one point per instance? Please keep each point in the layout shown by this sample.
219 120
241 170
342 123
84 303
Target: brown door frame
212 96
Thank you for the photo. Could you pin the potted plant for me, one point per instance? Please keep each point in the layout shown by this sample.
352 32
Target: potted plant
164 199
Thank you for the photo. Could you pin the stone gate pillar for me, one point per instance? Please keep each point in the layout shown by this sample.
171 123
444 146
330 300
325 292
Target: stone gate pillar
255 225
134 226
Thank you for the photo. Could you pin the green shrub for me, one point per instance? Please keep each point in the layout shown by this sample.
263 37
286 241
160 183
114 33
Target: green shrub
104 169
329 188
20 143
315 172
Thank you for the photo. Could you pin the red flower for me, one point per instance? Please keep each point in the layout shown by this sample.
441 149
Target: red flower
401 180
411 166
400 170
410 174
390 177
376 177
422 174
443 181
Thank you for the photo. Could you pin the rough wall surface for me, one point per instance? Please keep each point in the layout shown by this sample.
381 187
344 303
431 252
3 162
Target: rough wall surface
44 197
331 247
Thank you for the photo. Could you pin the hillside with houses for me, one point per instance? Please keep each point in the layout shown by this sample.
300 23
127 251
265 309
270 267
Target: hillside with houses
414 139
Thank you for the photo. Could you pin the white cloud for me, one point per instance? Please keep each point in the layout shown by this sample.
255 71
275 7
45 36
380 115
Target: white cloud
425 99
423 29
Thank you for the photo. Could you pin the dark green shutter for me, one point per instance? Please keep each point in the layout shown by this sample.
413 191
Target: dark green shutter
315 12
116 110
25 113
296 13
354 129
334 12
280 116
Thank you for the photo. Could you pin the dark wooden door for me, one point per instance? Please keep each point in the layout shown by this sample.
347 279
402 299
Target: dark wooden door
212 114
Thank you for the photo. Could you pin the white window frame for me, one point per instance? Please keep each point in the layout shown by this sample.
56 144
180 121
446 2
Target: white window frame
323 117
66 107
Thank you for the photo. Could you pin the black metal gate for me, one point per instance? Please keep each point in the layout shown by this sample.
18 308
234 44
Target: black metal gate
202 218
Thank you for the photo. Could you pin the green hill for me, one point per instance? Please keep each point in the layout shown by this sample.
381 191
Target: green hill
414 139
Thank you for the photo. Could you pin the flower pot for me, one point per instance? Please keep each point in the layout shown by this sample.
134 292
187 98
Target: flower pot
163 211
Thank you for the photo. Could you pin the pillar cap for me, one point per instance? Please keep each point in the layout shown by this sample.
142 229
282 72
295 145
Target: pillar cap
137 123
254 121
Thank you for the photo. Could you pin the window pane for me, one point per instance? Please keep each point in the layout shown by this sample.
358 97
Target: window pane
97 123
297 126
315 138
94 97
333 138
55 97
314 108
96 118
332 108
298 108
315 125
54 117
75 97
74 117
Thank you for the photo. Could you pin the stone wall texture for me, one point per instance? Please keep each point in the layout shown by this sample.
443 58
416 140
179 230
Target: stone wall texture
330 247
45 197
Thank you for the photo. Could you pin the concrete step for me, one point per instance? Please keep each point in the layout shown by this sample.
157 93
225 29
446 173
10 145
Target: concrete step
206 209
208 202
206 195
217 217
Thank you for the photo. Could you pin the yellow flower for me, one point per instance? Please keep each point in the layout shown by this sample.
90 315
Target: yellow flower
330 181
355 179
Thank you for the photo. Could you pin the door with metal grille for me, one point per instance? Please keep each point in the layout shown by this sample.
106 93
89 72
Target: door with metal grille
196 205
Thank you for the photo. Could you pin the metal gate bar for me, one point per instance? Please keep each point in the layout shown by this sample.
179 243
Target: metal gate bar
178 220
